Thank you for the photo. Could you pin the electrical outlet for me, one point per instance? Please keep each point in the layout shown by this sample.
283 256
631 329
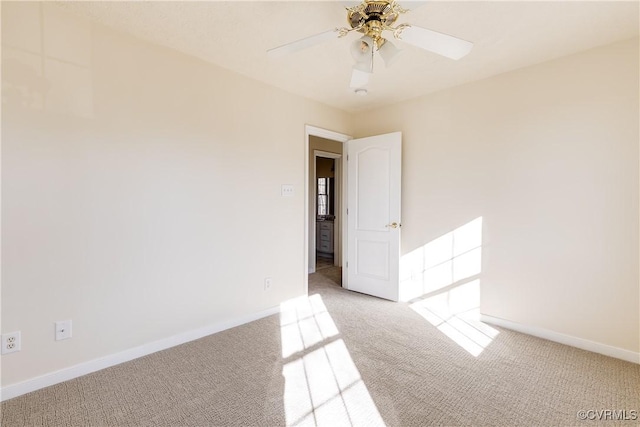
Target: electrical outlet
11 342
267 283
63 330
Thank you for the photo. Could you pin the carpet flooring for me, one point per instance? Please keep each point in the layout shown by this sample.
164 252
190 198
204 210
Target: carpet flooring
342 358
322 263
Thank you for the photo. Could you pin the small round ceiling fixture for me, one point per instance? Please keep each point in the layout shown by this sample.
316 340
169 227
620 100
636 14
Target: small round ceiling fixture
361 92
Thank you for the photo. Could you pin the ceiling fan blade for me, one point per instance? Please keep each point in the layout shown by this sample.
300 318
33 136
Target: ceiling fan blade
304 43
412 4
350 3
359 78
433 41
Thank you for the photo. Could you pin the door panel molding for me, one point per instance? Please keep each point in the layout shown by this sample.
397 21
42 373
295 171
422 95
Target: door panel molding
373 245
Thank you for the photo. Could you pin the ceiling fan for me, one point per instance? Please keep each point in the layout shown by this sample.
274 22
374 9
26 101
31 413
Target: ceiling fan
372 18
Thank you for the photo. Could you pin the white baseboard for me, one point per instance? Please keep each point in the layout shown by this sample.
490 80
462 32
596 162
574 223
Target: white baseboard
607 350
84 368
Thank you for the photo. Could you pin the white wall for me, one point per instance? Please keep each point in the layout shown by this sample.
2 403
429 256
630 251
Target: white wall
548 157
140 190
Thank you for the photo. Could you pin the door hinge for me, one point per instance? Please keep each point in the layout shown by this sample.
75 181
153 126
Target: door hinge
347 264
347 157
347 211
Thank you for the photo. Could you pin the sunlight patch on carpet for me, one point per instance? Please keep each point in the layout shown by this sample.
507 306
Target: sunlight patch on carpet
304 322
323 386
456 313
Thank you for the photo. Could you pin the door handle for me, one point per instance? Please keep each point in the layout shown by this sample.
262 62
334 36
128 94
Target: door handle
393 225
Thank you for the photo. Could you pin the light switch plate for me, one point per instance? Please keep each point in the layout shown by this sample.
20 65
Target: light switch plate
287 190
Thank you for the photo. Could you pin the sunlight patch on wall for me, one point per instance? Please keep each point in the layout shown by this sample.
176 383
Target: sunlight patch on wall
456 313
51 69
322 383
442 262
445 273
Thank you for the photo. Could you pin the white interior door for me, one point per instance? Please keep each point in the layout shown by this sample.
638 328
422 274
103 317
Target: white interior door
373 220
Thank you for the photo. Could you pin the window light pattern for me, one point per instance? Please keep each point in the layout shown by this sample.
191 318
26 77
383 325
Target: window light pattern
323 386
443 279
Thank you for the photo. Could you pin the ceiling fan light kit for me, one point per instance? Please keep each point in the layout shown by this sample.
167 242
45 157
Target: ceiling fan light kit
362 52
362 48
372 18
389 53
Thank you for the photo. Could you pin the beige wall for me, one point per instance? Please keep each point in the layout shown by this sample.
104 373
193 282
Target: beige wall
548 157
140 190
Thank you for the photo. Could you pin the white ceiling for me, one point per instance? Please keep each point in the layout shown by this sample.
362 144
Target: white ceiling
236 35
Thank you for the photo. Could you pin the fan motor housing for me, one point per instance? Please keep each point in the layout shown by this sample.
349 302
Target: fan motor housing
370 11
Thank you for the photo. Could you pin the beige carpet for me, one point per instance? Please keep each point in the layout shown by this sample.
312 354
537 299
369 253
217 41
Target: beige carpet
340 358
322 263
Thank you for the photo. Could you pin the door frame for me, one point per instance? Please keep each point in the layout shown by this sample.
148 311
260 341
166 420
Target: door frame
337 224
310 130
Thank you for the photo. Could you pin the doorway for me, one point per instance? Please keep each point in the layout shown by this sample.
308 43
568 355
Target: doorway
325 207
327 196
373 229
